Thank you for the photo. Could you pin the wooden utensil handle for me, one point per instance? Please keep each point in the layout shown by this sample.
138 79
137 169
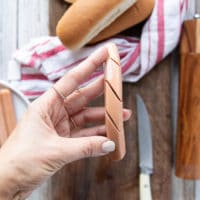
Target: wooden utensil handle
3 129
188 138
190 39
8 109
188 127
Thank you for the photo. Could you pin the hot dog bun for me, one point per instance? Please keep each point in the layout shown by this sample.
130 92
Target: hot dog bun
134 15
86 18
70 1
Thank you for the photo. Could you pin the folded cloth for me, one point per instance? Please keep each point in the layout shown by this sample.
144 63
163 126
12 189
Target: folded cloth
44 60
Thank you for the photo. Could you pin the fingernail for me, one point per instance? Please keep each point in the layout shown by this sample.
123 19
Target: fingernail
108 146
127 114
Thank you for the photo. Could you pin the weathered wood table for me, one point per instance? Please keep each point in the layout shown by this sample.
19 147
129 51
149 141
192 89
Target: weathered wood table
98 178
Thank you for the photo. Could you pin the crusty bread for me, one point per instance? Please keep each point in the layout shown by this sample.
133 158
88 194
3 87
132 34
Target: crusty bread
134 15
86 18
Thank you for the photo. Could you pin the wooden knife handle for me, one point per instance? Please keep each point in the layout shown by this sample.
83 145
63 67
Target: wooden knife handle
188 126
8 109
3 128
114 102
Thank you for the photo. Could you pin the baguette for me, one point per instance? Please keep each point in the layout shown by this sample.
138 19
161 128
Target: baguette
85 19
114 102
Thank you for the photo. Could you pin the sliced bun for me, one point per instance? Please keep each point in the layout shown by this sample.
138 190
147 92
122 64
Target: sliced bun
70 1
134 15
86 18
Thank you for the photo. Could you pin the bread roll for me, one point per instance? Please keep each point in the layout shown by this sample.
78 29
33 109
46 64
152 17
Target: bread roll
86 18
114 102
134 15
70 1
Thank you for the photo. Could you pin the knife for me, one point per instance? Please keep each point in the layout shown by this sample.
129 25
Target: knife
145 149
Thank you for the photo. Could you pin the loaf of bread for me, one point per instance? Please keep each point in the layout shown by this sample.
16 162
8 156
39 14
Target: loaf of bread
114 102
86 18
134 15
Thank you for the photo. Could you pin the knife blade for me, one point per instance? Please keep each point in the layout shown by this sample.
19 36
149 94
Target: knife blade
145 149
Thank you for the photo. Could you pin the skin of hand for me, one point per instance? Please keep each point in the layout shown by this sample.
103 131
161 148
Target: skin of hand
45 139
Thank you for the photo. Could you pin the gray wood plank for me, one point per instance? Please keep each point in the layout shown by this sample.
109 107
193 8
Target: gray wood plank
197 6
8 34
33 20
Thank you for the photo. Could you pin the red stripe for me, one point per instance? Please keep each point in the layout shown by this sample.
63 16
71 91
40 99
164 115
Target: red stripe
52 52
182 5
34 58
33 77
122 55
187 4
32 93
46 54
39 44
132 59
161 31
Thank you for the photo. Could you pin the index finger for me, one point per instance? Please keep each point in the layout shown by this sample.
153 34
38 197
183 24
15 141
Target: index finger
71 80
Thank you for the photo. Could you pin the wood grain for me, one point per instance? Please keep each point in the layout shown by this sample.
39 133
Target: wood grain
8 34
188 151
33 20
3 128
181 189
77 180
100 178
190 39
56 10
8 110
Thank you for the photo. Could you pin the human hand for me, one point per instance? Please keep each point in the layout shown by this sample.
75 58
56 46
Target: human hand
52 132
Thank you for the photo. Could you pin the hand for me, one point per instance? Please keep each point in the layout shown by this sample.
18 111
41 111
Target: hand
52 134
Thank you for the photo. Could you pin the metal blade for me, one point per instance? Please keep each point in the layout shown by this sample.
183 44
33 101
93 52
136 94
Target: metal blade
144 138
197 8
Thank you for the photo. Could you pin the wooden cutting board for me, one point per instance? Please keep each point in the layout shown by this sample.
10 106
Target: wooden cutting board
100 178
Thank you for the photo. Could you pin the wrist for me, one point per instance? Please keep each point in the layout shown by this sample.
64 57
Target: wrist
8 180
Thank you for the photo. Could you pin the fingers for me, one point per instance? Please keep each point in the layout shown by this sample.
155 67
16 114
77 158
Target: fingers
89 115
79 74
78 148
80 98
93 131
94 114
126 114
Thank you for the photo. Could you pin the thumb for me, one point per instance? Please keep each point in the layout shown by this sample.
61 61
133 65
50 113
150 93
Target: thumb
83 147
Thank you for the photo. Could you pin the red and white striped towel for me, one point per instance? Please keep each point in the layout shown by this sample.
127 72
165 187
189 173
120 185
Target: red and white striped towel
44 60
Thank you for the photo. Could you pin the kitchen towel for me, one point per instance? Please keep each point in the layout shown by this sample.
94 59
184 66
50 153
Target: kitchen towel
36 66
